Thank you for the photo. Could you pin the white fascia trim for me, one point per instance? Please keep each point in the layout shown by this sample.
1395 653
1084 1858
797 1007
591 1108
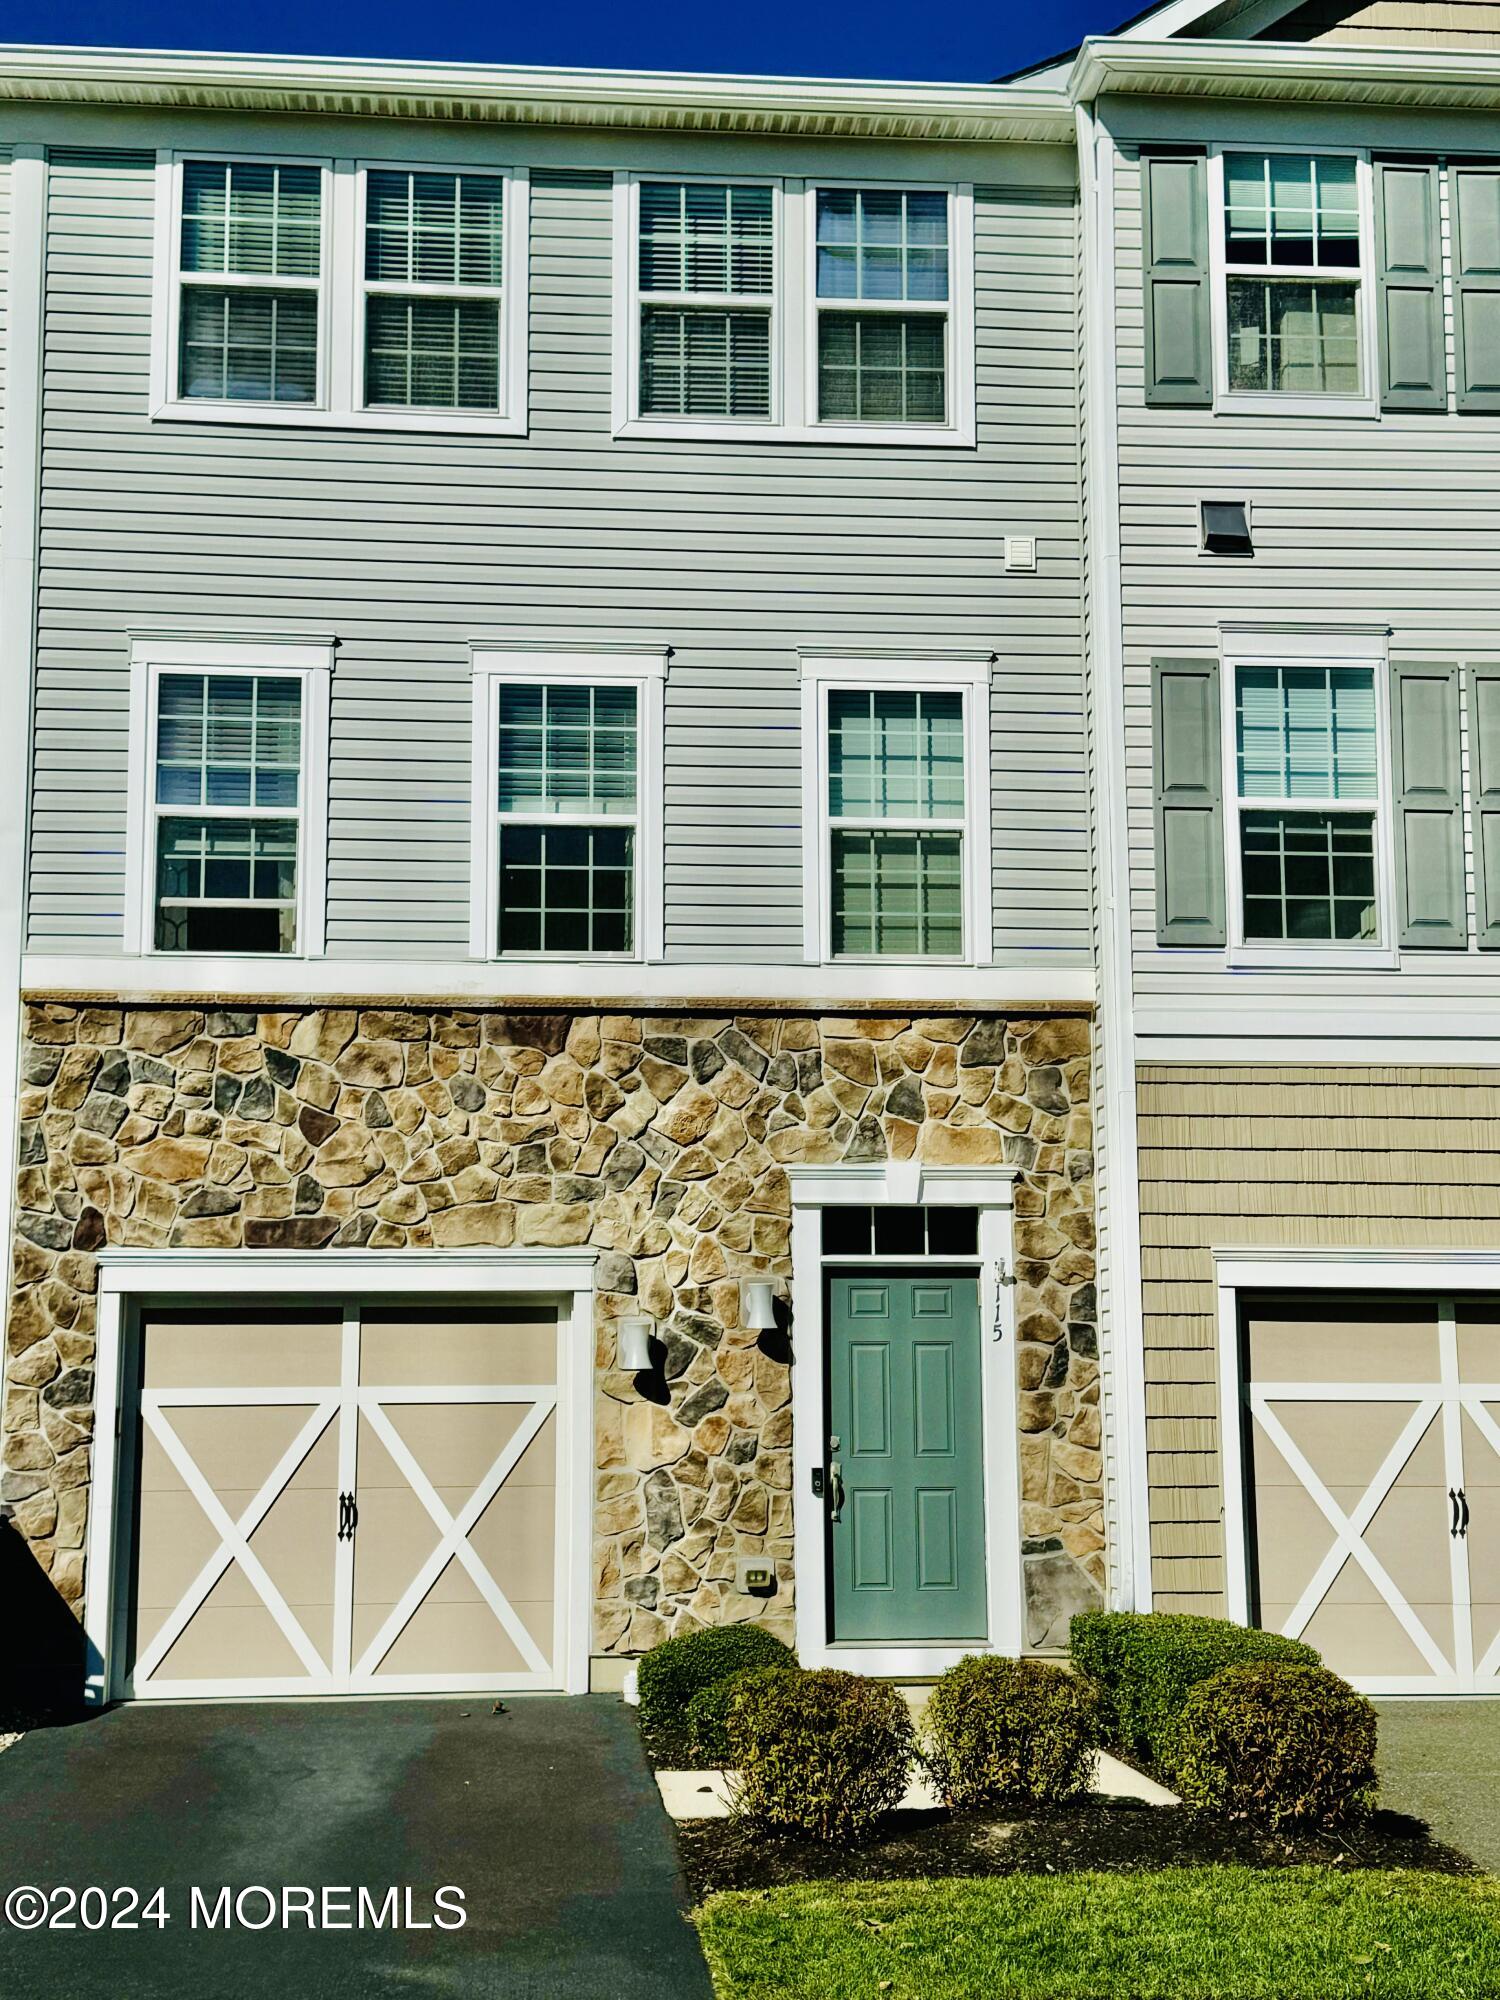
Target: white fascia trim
646 672
126 1277
20 494
804 107
1268 70
907 1182
967 676
1123 1356
124 978
309 661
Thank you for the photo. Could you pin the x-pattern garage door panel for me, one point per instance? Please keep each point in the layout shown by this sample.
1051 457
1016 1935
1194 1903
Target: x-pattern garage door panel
1369 1435
252 1571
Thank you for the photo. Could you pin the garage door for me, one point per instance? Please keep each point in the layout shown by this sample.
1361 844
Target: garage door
1373 1445
345 1501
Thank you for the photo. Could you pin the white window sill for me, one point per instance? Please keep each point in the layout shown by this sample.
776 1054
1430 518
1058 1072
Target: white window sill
1313 958
719 432
275 416
1273 403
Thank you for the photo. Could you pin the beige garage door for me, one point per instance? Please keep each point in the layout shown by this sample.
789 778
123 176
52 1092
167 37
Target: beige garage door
346 1501
1373 1463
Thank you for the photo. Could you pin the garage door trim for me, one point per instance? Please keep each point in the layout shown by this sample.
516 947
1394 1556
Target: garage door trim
1365 1270
132 1280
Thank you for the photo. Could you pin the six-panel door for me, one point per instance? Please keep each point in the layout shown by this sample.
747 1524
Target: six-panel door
905 1459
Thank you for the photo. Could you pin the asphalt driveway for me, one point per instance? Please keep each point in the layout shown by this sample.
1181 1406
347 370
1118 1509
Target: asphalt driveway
545 1817
1440 1762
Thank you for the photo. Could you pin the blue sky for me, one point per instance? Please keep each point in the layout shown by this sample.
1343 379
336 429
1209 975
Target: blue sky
963 41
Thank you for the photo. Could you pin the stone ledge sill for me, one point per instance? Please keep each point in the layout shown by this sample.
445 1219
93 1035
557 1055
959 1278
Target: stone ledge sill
705 1794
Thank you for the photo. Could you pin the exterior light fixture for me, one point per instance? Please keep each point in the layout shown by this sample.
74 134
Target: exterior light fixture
633 1344
757 1305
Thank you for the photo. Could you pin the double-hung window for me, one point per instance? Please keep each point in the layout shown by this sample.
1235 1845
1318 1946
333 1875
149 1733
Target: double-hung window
365 293
898 856
794 309
1307 799
226 836
881 291
250 282
567 859
1294 250
706 274
434 263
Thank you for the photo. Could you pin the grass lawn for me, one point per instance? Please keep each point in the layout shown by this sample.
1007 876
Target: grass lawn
1177 1934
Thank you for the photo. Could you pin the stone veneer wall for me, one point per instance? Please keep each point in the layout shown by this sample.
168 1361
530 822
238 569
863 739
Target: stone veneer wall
662 1141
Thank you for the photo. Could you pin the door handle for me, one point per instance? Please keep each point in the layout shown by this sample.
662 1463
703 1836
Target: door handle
1463 1526
1453 1503
836 1489
348 1517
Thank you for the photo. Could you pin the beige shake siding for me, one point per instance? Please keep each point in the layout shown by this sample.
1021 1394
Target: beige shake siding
1291 1156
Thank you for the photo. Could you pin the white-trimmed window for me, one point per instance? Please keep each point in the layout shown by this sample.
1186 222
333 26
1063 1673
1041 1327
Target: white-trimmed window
376 293
794 310
897 785
1294 245
1307 777
227 834
567 780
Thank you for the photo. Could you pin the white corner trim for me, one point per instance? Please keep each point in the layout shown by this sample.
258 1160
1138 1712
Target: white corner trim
129 1277
309 662
969 677
646 672
990 1189
19 532
1122 1356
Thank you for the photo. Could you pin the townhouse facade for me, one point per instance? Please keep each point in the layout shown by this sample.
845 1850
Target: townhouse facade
755 847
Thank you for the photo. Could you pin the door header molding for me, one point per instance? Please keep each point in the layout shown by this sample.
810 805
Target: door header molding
906 1183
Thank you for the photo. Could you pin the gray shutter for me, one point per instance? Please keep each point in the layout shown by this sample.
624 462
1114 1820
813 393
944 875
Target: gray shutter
1476 285
1409 254
1174 280
1189 802
1484 791
1425 765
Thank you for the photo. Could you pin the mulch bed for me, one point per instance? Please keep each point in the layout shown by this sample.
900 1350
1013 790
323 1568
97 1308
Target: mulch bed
1116 1836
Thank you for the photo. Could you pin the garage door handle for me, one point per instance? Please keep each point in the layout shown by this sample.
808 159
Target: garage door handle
1453 1503
348 1517
1463 1501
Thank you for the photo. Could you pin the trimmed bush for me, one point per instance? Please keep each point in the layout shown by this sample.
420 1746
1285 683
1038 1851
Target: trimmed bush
1148 1662
672 1673
706 1718
1285 1745
1003 1729
822 1755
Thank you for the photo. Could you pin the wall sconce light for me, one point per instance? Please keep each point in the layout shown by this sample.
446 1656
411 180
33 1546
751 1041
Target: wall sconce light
757 1305
633 1344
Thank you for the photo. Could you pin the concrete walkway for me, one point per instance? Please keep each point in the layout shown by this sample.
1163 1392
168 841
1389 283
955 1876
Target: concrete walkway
546 1817
1440 1762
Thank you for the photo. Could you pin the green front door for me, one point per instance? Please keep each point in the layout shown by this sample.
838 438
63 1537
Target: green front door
906 1509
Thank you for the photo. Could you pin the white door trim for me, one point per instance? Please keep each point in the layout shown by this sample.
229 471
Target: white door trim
1439 1273
990 1190
129 1279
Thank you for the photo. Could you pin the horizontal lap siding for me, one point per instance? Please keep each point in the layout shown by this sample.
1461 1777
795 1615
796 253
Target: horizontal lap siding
407 546
1280 1158
1395 521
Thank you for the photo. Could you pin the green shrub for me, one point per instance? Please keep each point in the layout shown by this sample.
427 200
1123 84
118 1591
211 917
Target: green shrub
823 1755
1286 1745
997 1729
1148 1662
672 1673
706 1718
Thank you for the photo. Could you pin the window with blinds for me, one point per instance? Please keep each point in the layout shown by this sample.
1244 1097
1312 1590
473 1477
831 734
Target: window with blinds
706 273
896 804
568 763
227 807
250 268
1291 258
433 277
1308 794
882 302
